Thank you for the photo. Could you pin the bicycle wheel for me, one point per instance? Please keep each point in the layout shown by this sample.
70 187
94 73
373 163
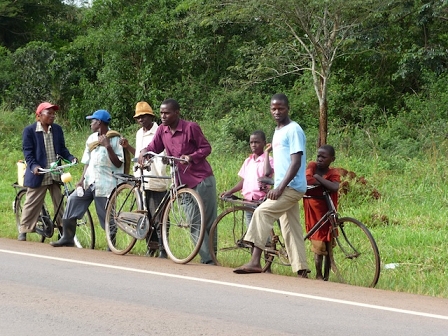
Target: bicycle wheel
123 206
18 207
183 226
230 227
85 229
356 260
85 232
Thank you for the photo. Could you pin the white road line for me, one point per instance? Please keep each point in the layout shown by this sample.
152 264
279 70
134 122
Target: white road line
229 284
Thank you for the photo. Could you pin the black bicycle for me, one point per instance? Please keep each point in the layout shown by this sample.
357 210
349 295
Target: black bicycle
181 211
47 223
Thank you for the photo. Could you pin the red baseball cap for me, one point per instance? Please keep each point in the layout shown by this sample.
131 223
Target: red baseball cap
45 106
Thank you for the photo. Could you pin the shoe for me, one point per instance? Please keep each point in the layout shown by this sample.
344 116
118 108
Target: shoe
21 237
247 270
163 254
303 273
69 229
151 253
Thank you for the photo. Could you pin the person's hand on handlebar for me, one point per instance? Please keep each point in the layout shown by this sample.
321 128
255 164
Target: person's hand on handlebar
36 170
185 159
142 157
226 193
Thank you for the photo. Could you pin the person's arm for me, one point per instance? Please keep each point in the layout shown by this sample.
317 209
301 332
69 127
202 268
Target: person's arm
294 166
81 180
156 145
310 171
126 145
332 186
236 188
203 147
267 163
28 144
113 157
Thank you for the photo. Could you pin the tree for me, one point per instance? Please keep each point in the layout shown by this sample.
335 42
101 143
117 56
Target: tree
306 36
22 21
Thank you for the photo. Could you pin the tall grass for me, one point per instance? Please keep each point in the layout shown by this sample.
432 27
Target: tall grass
398 189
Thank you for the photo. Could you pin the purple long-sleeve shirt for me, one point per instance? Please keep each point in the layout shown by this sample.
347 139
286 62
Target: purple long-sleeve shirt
188 139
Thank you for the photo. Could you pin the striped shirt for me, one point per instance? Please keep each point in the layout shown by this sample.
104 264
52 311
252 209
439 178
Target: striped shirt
51 154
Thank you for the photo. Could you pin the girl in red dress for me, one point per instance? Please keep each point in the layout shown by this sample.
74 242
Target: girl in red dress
320 174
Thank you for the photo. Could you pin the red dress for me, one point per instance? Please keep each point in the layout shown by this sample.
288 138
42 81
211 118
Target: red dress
315 208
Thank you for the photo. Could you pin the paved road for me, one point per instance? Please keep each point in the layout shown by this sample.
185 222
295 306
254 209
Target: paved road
68 291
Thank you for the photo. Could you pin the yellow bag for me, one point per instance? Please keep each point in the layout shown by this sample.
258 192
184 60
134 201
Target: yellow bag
21 167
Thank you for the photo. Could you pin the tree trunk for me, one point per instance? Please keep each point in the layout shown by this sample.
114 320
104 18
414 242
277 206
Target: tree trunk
323 123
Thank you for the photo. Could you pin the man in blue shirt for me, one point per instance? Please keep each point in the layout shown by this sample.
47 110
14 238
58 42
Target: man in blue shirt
289 150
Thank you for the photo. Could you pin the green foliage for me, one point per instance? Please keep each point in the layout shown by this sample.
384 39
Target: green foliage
5 71
32 82
12 126
22 21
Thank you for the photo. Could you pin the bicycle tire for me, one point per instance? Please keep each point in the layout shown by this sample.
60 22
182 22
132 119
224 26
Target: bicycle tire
85 230
355 258
124 199
45 227
19 201
230 228
183 226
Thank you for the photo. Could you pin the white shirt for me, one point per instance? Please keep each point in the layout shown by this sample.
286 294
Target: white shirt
142 140
101 169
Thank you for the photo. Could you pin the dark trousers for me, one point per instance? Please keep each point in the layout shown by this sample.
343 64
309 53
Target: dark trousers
153 199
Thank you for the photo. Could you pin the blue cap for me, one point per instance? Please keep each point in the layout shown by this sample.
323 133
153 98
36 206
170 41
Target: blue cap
102 115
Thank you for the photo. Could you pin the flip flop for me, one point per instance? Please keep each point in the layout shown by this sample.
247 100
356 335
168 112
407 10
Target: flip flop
246 270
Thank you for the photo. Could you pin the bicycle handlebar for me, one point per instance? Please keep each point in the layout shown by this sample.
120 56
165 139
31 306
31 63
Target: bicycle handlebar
240 201
56 169
152 154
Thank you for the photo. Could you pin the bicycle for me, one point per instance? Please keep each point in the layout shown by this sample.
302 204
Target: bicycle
181 209
231 226
46 224
355 259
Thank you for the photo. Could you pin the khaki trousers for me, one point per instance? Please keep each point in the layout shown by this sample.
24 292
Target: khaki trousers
33 205
286 208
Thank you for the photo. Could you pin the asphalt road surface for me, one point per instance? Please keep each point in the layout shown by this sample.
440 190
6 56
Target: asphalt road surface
69 291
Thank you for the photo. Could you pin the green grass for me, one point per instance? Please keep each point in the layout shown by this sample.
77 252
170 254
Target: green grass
402 199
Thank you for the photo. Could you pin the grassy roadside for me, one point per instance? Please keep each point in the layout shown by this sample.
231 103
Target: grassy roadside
402 200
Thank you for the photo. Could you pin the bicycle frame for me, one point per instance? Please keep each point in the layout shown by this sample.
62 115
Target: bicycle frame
139 187
274 247
331 216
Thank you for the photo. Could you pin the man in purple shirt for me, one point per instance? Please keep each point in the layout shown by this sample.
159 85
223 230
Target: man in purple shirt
184 139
